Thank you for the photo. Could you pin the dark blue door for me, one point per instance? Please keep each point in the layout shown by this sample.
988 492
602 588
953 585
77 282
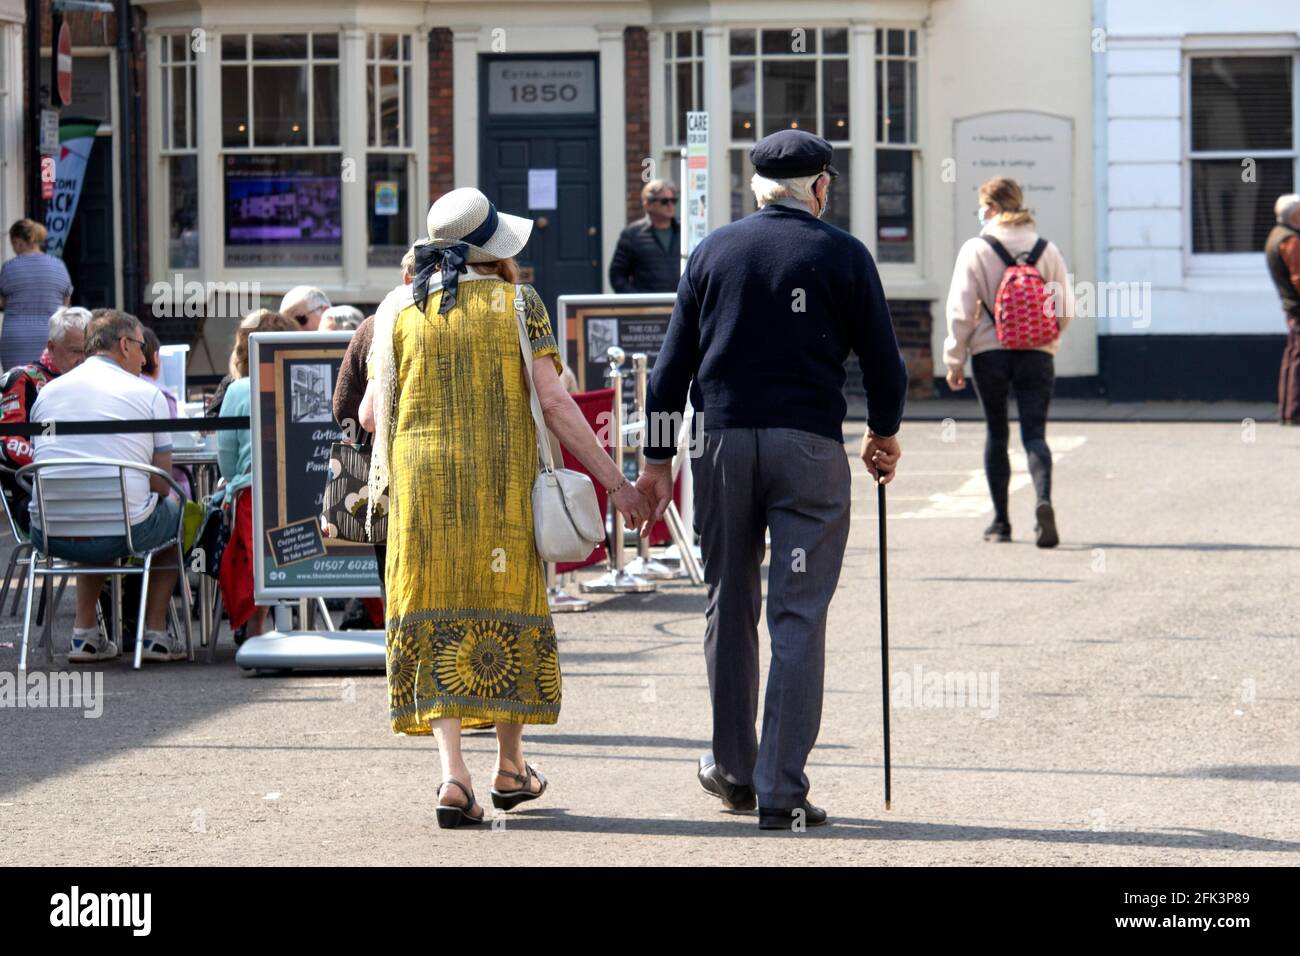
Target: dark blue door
563 256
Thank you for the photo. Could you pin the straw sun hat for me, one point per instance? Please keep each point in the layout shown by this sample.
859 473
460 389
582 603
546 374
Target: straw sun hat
466 215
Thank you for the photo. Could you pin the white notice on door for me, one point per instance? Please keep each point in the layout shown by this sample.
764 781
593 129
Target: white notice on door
541 189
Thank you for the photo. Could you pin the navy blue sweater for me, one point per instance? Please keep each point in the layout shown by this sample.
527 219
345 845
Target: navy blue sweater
767 311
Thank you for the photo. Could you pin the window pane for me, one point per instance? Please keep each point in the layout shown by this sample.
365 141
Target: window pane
180 100
389 208
1241 103
234 47
279 46
388 106
911 102
683 43
879 41
742 42
234 105
699 43
180 44
896 42
789 95
1230 215
279 105
283 209
742 100
389 46
183 225
406 47
835 41
325 103
325 45
840 209
895 238
406 106
370 106
911 43
800 40
167 111
684 99
896 117
670 107
835 99
742 197
881 105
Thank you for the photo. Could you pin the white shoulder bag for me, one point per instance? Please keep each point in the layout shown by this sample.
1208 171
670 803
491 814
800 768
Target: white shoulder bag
567 522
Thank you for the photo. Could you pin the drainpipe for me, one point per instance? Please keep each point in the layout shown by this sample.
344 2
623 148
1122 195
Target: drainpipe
126 121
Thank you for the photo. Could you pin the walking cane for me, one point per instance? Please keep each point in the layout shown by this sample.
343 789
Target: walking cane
884 626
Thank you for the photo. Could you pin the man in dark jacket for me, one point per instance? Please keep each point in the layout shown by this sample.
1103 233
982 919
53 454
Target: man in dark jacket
1282 253
648 255
766 314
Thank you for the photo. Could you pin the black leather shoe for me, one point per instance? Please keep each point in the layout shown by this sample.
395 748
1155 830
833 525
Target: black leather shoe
803 816
734 796
999 531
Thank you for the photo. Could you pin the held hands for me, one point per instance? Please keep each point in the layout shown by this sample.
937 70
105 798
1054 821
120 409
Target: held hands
656 486
956 379
881 455
632 504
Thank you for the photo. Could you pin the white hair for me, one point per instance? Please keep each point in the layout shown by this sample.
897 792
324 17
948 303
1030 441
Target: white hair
303 300
341 318
768 190
65 319
1286 207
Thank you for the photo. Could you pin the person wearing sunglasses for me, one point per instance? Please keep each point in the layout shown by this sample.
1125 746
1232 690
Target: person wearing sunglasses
305 304
648 255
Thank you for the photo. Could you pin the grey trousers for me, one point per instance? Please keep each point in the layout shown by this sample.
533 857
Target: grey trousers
797 484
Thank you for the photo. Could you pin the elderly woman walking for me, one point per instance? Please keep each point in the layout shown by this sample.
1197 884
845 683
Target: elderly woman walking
33 285
469 633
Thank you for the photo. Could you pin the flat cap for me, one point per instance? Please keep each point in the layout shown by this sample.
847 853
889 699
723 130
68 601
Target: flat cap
788 153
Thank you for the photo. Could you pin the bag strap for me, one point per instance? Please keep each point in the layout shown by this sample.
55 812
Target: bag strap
1034 253
526 346
1000 249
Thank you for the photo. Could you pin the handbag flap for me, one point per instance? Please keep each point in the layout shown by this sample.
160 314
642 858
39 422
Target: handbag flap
581 503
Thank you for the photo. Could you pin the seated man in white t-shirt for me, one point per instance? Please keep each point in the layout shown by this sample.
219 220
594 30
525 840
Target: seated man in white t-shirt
107 386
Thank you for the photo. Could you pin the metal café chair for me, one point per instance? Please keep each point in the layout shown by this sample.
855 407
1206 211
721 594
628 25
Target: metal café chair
71 505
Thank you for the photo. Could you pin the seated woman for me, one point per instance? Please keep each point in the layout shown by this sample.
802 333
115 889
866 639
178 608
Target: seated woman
235 459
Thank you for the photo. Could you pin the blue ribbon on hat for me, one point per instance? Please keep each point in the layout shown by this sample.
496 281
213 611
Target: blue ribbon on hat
451 260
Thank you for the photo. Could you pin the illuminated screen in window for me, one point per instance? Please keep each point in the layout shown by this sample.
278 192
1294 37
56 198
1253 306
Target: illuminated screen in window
283 210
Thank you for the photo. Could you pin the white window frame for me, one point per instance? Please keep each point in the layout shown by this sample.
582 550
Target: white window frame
914 268
167 150
758 57
405 121
671 151
1241 264
353 280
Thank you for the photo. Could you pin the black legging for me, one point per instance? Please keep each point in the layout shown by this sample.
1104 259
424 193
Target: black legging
1032 375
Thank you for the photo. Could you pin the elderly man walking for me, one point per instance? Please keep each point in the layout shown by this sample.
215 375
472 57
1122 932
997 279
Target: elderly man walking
1282 253
767 311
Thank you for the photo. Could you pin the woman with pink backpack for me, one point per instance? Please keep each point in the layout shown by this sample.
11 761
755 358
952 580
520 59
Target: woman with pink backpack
1009 301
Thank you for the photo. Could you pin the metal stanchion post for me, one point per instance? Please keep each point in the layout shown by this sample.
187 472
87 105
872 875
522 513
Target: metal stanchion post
616 580
643 565
560 600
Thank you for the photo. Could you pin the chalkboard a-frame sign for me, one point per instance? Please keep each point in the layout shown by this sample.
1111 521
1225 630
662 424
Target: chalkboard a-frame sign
292 376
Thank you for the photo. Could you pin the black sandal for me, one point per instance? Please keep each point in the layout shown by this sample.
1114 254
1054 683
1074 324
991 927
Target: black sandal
450 817
509 799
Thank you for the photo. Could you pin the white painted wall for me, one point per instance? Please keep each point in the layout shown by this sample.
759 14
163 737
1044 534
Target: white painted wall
1147 225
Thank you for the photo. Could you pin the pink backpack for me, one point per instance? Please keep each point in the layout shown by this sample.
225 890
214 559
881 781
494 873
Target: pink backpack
1025 315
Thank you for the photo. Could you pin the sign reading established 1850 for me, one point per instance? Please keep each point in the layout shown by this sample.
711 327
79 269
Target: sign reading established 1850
292 378
541 86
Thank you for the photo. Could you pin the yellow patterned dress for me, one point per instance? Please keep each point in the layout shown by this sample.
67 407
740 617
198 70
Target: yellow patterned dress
469 633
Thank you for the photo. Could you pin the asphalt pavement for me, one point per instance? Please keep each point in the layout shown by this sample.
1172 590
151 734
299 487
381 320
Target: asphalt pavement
1129 697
